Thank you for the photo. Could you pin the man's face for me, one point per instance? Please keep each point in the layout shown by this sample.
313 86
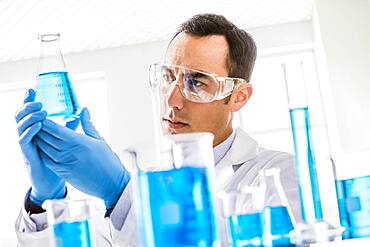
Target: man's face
179 115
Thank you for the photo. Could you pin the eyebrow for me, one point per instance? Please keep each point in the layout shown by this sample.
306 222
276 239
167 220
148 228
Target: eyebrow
170 70
198 74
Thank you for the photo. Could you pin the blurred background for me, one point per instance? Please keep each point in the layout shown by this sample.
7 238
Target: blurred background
109 45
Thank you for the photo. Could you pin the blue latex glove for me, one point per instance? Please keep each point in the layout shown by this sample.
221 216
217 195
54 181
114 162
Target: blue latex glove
85 161
45 183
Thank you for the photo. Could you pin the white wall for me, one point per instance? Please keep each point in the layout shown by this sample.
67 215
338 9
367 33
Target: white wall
289 34
342 33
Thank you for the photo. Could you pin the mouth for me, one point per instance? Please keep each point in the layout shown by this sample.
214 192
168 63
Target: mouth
174 125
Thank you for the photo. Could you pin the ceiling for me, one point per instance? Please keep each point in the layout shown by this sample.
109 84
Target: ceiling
96 24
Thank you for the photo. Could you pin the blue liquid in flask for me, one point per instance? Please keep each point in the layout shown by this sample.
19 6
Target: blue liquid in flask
277 225
354 206
305 165
72 234
55 92
178 208
246 230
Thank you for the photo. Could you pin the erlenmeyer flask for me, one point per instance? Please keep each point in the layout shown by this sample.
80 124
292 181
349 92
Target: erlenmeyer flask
243 213
54 89
278 220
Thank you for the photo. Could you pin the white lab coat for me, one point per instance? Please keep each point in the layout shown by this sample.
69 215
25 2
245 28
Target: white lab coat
240 165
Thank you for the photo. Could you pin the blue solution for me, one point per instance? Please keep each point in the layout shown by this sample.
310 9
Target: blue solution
277 225
246 230
177 208
343 215
72 234
55 92
354 206
305 165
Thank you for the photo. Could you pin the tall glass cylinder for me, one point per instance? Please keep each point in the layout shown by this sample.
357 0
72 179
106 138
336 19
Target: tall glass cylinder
304 154
174 198
69 220
54 88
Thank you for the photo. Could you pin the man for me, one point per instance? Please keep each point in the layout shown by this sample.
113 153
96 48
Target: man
204 81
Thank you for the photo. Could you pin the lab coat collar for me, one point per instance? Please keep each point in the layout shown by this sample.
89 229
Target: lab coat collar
243 149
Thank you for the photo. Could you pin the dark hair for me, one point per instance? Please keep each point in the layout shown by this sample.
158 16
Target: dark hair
242 49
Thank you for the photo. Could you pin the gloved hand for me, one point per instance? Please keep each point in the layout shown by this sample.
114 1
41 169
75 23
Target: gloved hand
85 161
45 183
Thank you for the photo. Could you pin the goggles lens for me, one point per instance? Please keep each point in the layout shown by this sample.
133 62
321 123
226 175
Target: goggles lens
196 86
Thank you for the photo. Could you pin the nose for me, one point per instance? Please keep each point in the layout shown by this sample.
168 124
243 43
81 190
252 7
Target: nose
175 99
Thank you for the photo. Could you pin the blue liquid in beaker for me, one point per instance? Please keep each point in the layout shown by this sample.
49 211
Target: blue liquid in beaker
178 208
277 225
305 165
246 230
76 234
354 206
341 196
55 92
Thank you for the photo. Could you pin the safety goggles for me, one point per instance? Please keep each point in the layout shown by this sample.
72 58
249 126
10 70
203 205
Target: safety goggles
194 85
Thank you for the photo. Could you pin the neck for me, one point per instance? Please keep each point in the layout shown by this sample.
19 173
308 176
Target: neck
222 136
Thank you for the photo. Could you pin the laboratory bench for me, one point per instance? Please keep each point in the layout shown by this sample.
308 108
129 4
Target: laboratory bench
356 242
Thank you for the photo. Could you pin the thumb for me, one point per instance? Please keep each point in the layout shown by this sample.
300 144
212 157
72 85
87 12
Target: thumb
87 126
29 96
73 125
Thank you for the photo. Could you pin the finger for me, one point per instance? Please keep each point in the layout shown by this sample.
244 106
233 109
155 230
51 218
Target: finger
29 133
86 124
26 109
49 150
31 119
73 124
53 141
46 159
29 96
57 168
57 130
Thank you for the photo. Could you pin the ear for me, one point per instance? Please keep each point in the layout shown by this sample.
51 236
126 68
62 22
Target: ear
240 96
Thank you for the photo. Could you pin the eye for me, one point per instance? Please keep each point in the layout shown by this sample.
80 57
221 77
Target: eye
196 83
166 77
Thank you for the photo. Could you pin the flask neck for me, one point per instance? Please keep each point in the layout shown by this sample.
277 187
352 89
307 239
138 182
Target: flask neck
51 58
273 190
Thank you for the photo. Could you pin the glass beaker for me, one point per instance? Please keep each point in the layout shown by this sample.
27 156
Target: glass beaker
70 224
54 88
354 206
243 213
278 220
174 199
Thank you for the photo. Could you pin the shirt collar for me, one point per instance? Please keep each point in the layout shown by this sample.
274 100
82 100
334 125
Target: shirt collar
221 149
